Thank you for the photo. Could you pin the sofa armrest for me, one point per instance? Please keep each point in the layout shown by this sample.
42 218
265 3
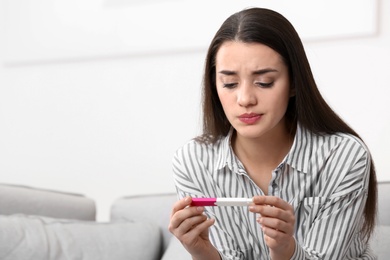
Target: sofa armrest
155 208
380 242
17 199
384 203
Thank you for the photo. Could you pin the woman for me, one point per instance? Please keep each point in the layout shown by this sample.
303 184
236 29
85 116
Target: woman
269 135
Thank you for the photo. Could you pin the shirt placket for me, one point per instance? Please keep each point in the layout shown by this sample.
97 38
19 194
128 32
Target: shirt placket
273 188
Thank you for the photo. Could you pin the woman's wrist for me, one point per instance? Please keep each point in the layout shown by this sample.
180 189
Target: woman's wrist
288 253
210 254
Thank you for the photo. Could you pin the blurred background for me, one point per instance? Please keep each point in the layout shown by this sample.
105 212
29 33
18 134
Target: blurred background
96 95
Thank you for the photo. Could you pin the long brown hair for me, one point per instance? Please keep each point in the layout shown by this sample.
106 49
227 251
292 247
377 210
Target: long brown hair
308 107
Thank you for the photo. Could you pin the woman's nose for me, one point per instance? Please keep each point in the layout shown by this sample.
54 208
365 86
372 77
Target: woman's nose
246 96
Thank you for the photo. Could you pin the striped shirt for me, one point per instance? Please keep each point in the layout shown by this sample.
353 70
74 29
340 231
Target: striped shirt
324 178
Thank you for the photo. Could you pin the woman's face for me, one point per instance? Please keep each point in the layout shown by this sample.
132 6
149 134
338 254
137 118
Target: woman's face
253 86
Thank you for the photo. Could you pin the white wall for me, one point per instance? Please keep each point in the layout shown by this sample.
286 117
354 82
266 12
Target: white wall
91 103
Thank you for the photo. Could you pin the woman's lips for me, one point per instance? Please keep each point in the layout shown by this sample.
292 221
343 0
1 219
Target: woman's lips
249 119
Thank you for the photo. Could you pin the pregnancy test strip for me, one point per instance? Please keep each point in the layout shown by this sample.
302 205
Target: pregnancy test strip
221 201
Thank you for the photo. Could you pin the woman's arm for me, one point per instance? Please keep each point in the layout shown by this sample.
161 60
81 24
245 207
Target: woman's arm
334 232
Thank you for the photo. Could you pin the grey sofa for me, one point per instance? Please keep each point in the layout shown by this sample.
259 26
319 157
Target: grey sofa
45 224
37 224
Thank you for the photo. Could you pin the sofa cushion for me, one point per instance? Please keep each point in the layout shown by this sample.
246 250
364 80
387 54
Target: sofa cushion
34 237
17 199
155 208
384 203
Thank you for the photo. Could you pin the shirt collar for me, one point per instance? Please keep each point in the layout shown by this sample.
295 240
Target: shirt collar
301 150
227 157
298 156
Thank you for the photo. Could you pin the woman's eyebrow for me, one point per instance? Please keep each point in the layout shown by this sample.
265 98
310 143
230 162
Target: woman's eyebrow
228 72
256 72
263 71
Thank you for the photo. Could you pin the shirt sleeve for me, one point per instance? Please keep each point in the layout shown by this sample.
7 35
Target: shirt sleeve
183 177
188 183
335 231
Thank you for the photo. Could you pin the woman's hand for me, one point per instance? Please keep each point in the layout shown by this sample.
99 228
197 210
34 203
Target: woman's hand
191 227
277 221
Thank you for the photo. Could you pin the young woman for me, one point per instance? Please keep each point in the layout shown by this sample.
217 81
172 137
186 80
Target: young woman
269 135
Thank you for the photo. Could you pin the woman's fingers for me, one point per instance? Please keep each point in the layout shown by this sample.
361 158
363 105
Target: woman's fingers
275 214
273 207
181 212
187 219
181 204
197 231
189 224
272 201
278 225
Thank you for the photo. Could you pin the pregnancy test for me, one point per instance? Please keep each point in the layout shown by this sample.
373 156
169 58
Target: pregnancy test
221 201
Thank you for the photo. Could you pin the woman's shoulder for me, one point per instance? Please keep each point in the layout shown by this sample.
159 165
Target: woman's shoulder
324 145
202 142
332 140
201 145
353 144
344 144
346 139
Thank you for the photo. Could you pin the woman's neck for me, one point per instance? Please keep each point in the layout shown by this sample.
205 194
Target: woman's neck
268 150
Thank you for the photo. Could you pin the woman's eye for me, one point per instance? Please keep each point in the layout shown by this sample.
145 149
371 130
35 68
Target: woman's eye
229 85
265 84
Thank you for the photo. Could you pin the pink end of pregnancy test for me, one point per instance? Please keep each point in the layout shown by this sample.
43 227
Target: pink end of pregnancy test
221 201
